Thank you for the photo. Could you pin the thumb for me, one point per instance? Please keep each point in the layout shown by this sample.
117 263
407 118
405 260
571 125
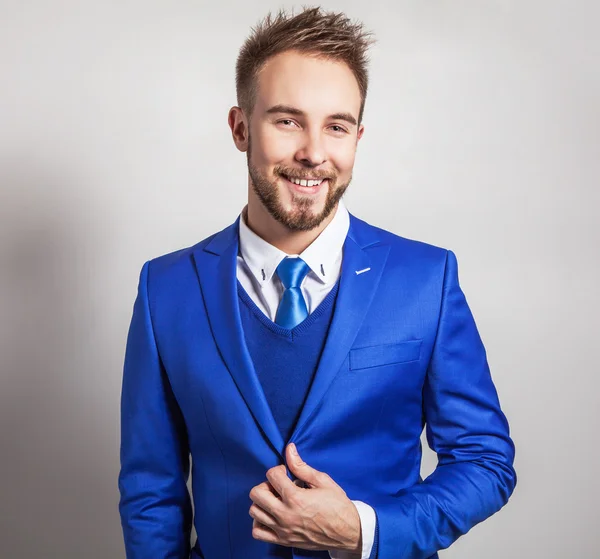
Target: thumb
301 469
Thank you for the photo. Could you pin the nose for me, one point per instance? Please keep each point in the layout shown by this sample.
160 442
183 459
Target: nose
312 150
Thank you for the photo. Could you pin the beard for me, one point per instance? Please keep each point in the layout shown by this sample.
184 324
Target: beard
300 218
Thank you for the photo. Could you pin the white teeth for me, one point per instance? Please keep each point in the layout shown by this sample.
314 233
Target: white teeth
307 182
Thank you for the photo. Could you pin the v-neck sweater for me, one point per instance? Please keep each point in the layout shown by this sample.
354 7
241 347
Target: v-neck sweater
286 360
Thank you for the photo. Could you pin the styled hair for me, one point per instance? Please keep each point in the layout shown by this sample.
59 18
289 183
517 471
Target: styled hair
328 35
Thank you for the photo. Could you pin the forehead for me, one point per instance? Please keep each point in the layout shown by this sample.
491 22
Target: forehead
309 83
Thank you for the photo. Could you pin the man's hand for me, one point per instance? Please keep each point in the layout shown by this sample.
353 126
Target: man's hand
320 517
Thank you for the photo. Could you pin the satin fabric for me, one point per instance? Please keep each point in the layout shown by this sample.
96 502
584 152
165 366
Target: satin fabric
292 307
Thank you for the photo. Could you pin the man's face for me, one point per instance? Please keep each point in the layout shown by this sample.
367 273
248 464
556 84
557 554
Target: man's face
301 128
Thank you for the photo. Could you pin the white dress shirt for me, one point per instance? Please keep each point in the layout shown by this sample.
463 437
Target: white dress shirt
256 264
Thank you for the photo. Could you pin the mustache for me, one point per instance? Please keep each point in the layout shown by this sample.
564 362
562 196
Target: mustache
302 175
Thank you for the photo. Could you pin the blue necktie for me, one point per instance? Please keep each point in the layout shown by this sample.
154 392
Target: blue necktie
292 307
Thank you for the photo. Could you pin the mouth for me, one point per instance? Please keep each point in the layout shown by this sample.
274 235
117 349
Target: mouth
305 186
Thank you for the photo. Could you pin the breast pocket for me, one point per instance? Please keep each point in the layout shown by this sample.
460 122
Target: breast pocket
384 354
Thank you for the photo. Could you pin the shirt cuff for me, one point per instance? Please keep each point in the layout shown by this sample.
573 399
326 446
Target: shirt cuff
368 521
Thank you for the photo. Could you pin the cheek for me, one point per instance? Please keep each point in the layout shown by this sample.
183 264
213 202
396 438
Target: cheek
343 158
273 147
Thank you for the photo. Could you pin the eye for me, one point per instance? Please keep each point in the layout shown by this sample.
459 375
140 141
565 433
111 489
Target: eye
339 129
285 120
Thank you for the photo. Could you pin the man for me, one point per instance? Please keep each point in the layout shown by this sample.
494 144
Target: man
297 354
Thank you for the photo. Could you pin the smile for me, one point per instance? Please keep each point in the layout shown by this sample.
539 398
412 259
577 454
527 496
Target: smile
305 182
305 186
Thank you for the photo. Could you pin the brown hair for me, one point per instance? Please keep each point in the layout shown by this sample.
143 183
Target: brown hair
324 34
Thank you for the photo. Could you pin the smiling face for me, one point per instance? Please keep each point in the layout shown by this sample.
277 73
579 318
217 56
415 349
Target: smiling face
303 126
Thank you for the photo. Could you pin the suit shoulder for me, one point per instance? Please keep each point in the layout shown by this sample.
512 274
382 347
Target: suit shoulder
409 249
169 265
416 246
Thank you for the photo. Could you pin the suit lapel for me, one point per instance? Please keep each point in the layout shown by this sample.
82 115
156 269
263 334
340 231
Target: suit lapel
216 263
365 254
216 266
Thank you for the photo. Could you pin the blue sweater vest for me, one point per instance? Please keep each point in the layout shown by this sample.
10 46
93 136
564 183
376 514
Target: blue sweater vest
285 362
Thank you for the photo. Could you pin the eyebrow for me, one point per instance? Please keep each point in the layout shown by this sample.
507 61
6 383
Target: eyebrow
294 111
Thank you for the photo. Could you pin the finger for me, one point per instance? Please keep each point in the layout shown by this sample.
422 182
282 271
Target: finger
280 481
266 497
258 490
301 469
262 516
264 533
272 490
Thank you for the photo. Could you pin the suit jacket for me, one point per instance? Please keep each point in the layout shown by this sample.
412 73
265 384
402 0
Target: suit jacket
403 352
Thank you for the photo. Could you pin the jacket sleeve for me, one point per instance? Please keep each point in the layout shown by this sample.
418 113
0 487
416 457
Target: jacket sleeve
155 505
465 426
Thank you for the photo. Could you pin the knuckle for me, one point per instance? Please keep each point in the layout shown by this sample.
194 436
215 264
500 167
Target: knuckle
296 500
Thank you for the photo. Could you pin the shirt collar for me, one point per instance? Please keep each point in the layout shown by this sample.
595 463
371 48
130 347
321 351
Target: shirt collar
262 258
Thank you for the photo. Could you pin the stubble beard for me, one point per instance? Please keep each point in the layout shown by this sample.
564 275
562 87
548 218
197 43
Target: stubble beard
300 218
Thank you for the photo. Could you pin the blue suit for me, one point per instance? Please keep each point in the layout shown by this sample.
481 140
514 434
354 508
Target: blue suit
403 351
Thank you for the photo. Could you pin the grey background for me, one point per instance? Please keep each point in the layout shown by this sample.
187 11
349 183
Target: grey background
482 135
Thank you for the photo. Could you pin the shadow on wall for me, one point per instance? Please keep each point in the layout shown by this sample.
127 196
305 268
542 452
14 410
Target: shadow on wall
58 473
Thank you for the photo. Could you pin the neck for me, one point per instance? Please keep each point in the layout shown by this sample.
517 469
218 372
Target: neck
261 222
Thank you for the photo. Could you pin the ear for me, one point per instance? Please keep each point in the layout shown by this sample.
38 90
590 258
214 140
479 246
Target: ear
239 127
361 130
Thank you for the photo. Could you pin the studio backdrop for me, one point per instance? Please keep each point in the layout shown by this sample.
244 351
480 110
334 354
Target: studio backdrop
481 136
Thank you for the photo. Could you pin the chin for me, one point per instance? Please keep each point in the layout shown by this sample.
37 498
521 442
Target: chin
305 205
